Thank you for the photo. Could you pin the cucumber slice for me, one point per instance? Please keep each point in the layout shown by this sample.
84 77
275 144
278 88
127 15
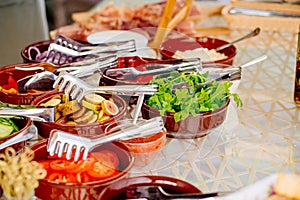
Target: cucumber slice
5 130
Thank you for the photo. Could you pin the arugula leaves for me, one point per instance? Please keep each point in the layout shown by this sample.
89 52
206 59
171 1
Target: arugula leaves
189 99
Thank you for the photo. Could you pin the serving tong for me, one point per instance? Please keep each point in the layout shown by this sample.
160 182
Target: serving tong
131 73
79 69
67 50
26 134
62 142
38 113
78 88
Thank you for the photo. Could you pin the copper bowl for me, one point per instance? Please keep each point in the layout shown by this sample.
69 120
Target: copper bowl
23 124
80 129
51 190
191 127
19 98
117 190
170 46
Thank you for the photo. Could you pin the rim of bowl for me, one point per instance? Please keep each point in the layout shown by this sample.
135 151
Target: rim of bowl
148 180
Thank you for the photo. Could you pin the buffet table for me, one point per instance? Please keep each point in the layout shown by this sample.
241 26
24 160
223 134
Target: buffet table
257 140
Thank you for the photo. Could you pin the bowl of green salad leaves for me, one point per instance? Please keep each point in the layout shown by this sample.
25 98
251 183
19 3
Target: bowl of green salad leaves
191 104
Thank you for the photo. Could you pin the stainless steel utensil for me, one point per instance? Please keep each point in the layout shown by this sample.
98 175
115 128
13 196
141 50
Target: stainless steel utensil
257 12
131 73
157 192
66 50
86 63
27 134
222 74
44 80
60 142
253 33
36 114
77 88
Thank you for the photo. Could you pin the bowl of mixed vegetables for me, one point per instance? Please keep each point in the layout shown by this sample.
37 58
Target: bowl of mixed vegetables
88 117
83 179
190 109
11 126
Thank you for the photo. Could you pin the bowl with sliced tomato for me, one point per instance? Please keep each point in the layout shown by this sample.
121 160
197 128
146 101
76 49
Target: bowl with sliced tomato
12 126
82 179
9 77
144 149
88 117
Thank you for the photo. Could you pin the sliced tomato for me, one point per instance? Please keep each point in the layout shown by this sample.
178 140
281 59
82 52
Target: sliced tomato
83 165
100 170
106 156
61 177
61 164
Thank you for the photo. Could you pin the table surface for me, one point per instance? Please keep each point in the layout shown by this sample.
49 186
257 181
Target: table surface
257 140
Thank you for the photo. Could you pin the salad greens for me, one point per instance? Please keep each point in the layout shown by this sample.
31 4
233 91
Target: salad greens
192 99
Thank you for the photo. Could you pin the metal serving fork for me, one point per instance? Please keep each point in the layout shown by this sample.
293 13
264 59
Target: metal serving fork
67 50
60 142
132 73
77 88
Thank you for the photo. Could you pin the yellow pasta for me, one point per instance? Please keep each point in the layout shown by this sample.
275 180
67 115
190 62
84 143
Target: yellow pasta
19 174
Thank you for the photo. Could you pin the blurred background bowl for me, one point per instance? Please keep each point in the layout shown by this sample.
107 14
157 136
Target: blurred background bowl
18 98
30 52
144 149
23 124
77 191
191 127
170 46
80 129
117 190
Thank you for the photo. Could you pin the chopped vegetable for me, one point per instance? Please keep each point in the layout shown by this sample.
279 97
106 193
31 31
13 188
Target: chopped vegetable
7 127
192 99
